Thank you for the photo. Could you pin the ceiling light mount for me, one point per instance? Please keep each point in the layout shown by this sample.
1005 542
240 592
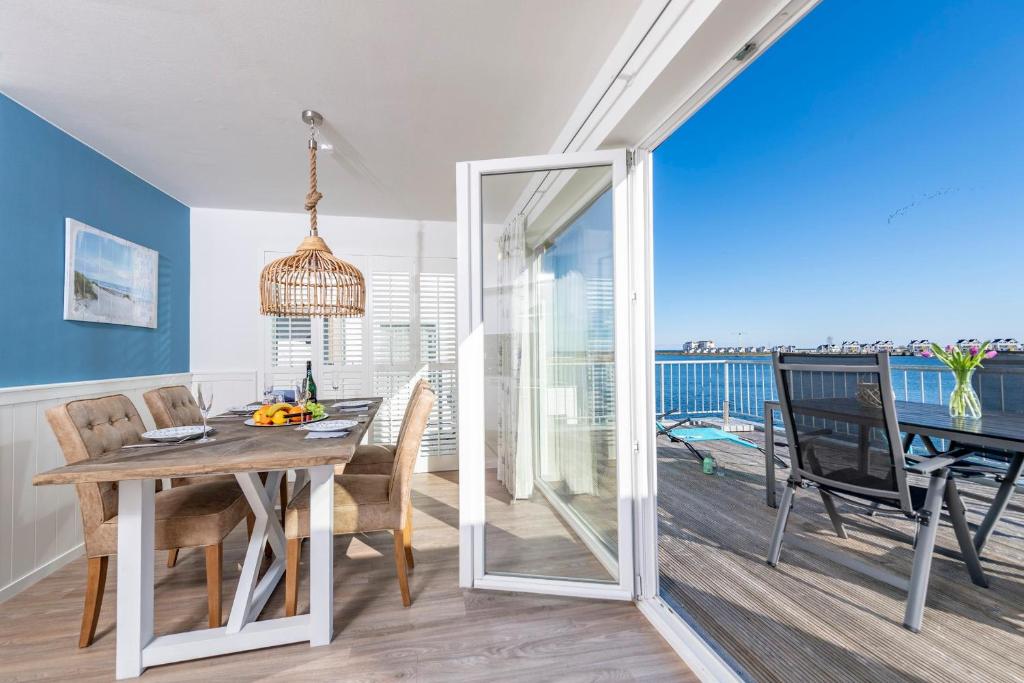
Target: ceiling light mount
312 118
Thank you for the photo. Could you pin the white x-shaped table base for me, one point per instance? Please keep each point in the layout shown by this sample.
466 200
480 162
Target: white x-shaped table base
137 648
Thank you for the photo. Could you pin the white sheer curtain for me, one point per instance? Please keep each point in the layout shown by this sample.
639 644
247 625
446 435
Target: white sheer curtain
568 455
515 433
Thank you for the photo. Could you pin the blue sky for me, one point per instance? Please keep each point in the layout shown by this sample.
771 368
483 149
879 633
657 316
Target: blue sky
863 179
103 259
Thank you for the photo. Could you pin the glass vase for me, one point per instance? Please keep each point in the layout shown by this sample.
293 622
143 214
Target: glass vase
963 401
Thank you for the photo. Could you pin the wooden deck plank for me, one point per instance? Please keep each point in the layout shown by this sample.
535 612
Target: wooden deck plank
812 618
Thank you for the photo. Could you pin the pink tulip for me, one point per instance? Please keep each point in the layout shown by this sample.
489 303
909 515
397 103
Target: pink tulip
927 354
991 354
949 348
974 350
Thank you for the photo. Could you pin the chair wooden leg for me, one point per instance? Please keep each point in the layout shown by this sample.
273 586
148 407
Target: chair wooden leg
172 557
95 581
403 576
407 537
214 563
293 548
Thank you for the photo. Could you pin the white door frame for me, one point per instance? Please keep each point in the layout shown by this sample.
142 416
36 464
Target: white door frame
472 466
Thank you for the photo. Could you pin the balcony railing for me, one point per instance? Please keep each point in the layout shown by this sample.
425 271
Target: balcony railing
739 388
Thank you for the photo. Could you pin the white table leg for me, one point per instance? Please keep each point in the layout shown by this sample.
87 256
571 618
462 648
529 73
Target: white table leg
321 555
251 595
134 574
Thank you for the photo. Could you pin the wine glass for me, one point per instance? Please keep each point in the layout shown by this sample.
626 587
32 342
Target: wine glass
301 393
335 383
268 391
205 403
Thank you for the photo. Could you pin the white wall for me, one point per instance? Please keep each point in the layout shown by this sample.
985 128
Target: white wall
228 251
40 526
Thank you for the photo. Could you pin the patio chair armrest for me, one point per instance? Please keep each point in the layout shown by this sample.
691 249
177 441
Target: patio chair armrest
937 462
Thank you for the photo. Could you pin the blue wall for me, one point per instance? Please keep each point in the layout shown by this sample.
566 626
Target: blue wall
45 177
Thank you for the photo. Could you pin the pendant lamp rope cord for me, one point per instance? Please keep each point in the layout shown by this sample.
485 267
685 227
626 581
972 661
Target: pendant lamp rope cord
314 195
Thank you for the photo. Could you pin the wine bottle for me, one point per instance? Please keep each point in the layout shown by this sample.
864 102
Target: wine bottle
310 384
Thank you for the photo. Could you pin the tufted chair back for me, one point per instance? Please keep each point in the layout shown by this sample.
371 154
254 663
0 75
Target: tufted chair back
173 407
418 414
88 429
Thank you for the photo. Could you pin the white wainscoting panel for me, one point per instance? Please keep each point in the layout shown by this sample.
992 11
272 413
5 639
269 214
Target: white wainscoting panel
230 389
40 526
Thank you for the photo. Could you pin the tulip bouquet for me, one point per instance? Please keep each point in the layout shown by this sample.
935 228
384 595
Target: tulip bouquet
963 401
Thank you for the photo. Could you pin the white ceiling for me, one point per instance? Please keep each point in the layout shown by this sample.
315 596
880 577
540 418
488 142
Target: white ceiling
202 99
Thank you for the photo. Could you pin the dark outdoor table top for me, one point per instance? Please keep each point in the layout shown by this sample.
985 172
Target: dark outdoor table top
237 448
927 419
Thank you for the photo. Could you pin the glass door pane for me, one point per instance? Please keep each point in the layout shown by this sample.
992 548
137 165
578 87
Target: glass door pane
549 356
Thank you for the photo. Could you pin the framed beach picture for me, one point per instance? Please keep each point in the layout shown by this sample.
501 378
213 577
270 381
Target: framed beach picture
108 279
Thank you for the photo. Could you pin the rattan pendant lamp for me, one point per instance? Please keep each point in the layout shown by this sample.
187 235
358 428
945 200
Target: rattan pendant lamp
312 282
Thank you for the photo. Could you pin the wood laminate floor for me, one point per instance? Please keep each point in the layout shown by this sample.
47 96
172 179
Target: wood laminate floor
447 635
812 618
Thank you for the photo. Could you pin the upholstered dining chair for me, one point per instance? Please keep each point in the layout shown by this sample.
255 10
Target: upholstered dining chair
198 515
379 458
364 503
176 407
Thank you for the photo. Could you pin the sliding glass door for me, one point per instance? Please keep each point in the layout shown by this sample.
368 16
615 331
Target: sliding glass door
546 461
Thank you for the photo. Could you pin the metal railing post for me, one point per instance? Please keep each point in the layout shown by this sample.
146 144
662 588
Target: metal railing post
725 400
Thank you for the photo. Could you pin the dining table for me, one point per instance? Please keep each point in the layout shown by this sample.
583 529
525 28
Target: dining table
258 457
993 431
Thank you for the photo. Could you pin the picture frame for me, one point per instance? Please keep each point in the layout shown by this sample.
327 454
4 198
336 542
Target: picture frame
108 279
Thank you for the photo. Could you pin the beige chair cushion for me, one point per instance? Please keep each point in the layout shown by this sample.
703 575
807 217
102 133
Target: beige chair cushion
371 502
185 517
92 428
380 458
173 407
371 459
360 505
202 513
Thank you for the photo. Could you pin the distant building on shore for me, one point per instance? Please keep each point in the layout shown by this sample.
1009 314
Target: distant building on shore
1004 345
850 347
879 345
966 344
701 345
919 345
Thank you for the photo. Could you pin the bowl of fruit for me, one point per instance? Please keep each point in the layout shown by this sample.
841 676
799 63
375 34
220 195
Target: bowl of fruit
281 414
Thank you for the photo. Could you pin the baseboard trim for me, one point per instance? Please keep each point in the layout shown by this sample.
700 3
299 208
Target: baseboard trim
41 572
705 662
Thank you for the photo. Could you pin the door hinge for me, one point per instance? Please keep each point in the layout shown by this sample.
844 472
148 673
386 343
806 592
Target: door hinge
630 158
636 446
640 585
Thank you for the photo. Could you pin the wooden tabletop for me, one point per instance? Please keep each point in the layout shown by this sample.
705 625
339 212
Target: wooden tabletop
237 448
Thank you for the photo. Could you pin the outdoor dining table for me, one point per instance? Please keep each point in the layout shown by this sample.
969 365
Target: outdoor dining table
245 452
928 421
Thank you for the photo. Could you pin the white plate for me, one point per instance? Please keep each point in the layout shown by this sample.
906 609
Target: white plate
176 433
352 405
329 426
245 410
252 422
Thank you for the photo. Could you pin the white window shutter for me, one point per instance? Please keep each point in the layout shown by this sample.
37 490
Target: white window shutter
291 345
438 345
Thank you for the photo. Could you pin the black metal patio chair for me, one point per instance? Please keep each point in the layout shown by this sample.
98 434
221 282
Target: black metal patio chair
840 417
